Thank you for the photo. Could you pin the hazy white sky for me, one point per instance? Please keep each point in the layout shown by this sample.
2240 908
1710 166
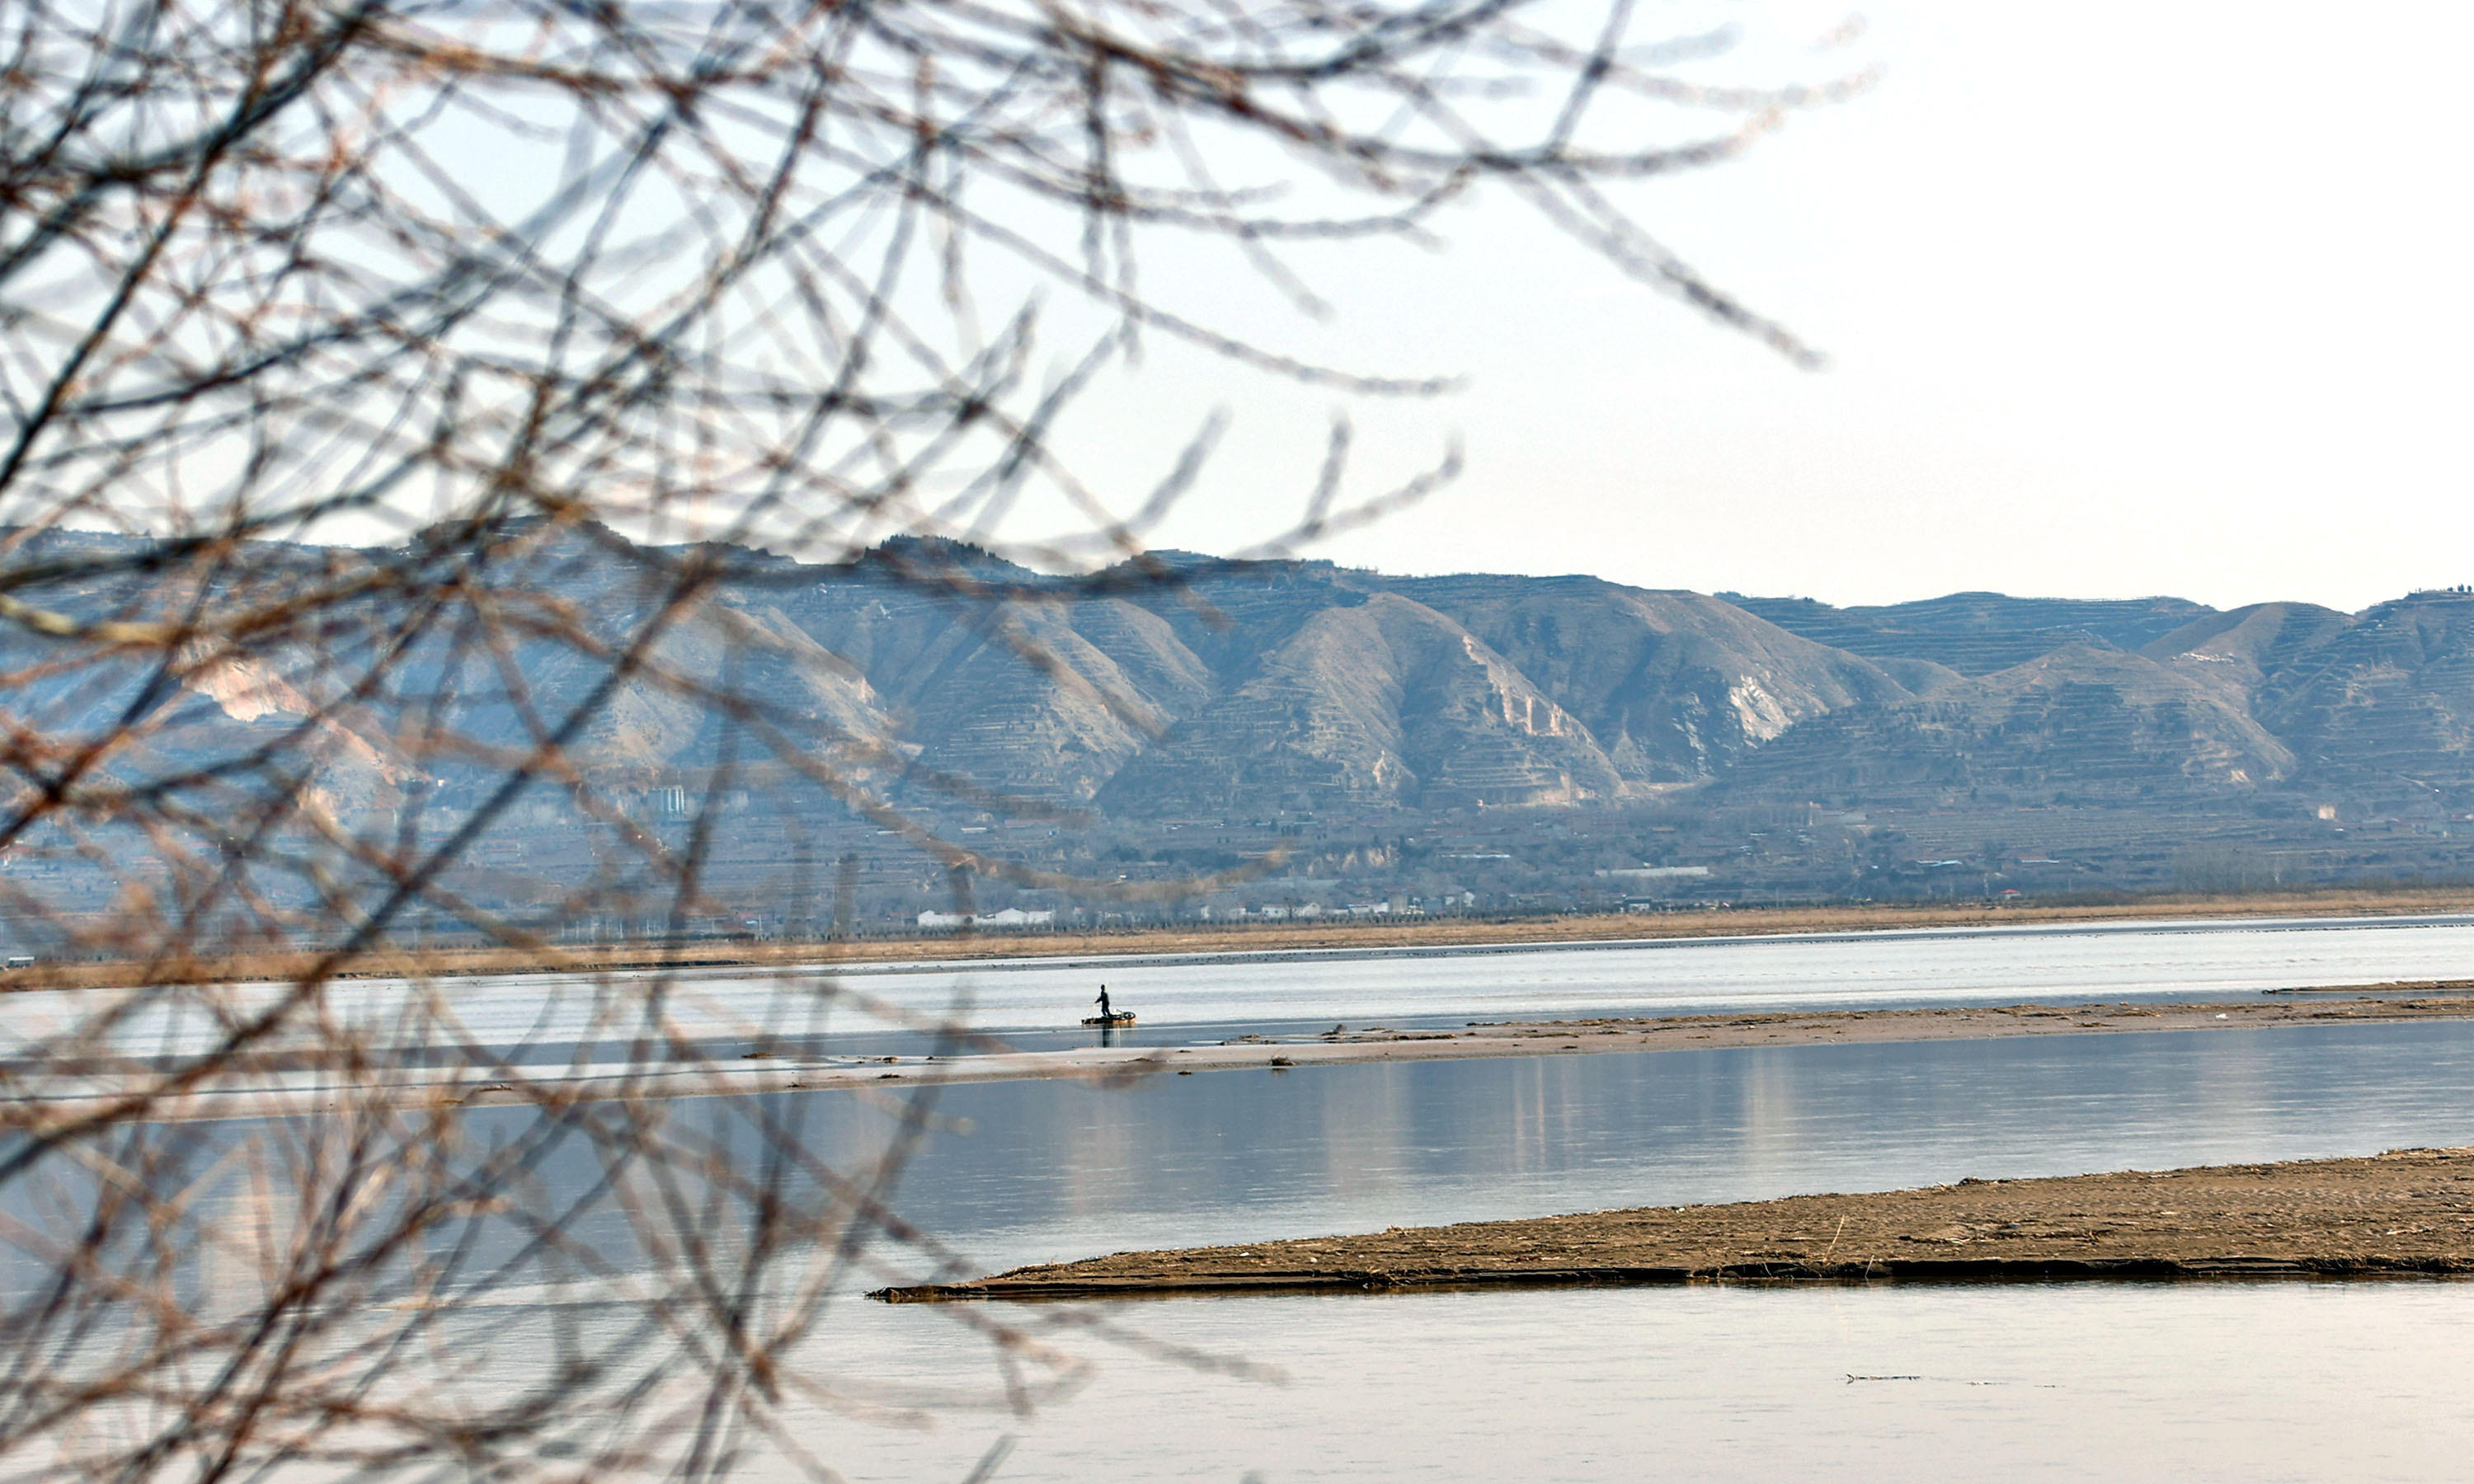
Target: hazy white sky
2121 298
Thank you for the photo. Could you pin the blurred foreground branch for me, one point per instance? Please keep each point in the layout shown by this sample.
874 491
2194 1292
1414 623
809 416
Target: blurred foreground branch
392 392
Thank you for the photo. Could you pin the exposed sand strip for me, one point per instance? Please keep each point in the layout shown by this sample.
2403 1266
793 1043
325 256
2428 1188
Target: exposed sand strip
47 1100
2411 1211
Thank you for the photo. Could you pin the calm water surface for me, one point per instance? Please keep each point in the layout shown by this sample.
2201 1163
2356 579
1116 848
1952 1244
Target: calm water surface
1037 1003
1056 1169
1678 976
2215 1381
2192 1382
2211 1381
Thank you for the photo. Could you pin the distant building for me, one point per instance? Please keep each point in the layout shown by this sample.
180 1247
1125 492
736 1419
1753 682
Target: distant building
1011 917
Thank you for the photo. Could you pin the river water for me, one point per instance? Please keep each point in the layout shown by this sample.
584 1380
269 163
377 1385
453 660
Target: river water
2061 1381
2219 1381
1051 1170
2242 1381
1039 1002
2193 960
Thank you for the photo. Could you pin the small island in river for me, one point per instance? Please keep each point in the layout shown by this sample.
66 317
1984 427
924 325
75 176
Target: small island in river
2410 1212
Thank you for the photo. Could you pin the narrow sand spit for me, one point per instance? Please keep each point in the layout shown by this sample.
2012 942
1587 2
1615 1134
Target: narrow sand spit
1341 1046
38 1099
2409 1211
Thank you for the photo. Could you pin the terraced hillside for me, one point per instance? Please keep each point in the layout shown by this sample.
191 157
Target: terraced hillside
1977 633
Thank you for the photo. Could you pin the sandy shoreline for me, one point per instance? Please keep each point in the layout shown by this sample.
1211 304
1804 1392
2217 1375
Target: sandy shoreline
2405 1212
1263 938
292 1091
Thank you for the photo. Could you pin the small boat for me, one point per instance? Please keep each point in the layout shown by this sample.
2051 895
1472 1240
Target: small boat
1119 1017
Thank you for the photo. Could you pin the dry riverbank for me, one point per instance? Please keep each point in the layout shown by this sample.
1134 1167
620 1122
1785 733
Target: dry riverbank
1285 937
2409 1211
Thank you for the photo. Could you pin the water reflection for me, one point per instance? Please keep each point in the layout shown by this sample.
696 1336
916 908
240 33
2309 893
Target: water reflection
1591 1385
1055 1170
1051 1170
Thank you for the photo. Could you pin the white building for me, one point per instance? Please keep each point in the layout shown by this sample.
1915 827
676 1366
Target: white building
1011 917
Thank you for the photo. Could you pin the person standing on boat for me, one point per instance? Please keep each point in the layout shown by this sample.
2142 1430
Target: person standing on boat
1104 1003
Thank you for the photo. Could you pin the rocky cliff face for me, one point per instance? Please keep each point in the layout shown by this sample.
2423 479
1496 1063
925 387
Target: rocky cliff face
2084 723
1372 698
1677 686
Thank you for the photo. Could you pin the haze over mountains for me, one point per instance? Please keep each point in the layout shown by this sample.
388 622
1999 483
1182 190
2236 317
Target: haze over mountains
1295 691
1299 686
1302 688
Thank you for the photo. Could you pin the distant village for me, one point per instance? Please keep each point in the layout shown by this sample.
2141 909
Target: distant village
1538 861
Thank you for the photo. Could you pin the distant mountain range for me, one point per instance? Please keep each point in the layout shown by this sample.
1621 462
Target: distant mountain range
1303 688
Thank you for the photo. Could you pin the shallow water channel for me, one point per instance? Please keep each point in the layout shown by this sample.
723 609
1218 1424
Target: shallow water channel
2363 1381
2199 1380
2215 1381
1052 1170
1038 1003
1971 966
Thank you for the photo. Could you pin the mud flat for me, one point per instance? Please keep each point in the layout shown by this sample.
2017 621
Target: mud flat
2410 1212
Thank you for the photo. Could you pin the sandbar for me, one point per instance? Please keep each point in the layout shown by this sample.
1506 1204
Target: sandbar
2405 1212
42 1101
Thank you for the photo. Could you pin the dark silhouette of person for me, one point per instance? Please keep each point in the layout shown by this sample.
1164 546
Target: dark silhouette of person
1104 1003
